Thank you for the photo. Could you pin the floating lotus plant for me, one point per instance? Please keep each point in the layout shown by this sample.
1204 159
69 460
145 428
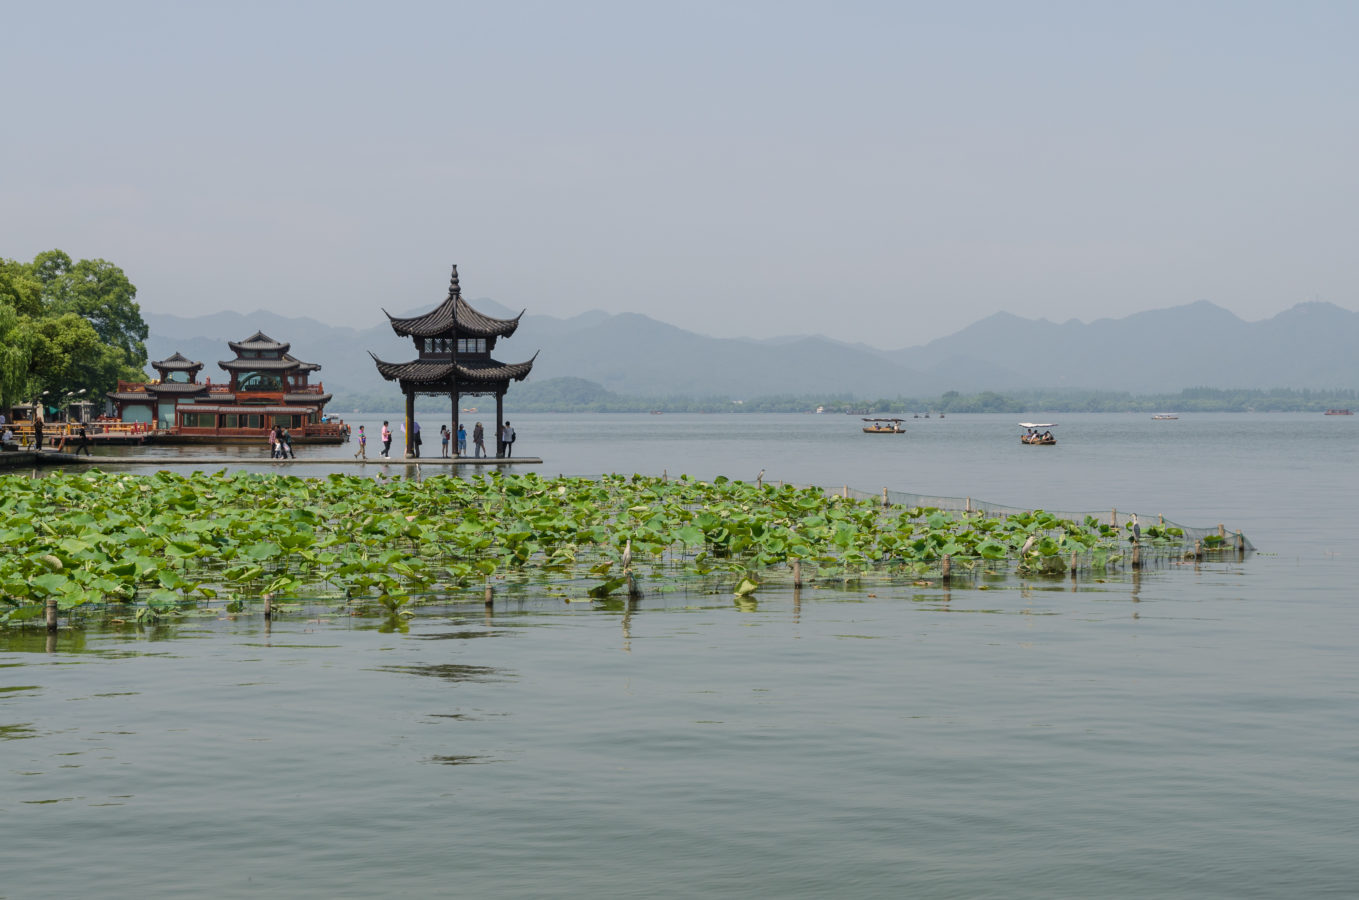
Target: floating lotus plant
169 542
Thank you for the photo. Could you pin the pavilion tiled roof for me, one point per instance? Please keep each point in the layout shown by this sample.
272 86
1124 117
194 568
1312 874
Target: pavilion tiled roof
453 315
131 395
436 371
258 341
177 363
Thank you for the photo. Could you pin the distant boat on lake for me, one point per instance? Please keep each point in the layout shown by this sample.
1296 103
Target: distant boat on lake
1339 412
884 426
1165 416
1038 433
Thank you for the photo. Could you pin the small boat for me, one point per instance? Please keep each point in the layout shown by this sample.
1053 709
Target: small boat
1163 417
884 426
1339 412
1038 433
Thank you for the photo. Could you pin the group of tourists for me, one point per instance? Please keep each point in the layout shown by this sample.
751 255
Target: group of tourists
448 440
281 444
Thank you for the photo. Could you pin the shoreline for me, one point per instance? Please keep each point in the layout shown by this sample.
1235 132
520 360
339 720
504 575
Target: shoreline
23 459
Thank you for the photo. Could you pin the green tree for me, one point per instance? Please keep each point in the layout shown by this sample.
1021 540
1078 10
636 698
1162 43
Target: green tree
19 288
100 292
67 327
15 356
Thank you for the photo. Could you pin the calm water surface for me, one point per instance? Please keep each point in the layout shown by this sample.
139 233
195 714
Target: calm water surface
1189 732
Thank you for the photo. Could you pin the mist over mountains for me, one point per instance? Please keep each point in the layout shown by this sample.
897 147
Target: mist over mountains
1310 345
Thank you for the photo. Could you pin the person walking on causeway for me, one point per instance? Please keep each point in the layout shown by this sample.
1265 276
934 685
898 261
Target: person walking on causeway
362 452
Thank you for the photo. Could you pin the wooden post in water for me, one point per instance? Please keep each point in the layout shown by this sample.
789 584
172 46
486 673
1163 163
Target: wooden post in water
1137 556
1221 531
885 502
948 568
797 573
268 607
490 596
1073 563
1113 517
968 508
844 492
1240 545
51 613
1161 519
1198 549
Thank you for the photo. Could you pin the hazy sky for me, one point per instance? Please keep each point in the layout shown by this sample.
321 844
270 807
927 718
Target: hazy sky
883 172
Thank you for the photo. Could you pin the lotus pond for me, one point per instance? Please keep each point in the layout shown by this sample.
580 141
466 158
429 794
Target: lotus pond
162 545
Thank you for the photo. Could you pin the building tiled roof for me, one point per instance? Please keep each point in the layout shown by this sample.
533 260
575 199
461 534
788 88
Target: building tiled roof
318 399
177 387
453 315
435 371
177 363
269 410
302 366
258 341
131 395
259 365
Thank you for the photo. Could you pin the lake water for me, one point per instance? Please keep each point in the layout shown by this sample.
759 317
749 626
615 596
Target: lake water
1187 732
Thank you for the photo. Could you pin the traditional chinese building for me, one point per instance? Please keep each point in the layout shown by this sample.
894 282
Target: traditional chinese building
454 344
153 403
266 387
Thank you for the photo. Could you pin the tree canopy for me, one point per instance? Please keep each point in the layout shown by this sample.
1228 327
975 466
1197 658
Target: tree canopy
65 327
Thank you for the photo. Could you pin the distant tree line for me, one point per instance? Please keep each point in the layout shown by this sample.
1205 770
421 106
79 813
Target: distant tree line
68 330
579 395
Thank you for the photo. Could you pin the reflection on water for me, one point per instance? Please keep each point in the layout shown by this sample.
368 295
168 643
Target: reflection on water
447 672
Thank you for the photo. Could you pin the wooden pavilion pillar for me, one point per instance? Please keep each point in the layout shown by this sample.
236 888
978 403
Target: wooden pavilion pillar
410 423
499 422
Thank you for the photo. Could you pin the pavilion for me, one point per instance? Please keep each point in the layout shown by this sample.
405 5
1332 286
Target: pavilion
454 343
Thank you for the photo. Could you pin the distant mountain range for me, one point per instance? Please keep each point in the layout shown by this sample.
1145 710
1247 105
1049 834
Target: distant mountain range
1311 345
